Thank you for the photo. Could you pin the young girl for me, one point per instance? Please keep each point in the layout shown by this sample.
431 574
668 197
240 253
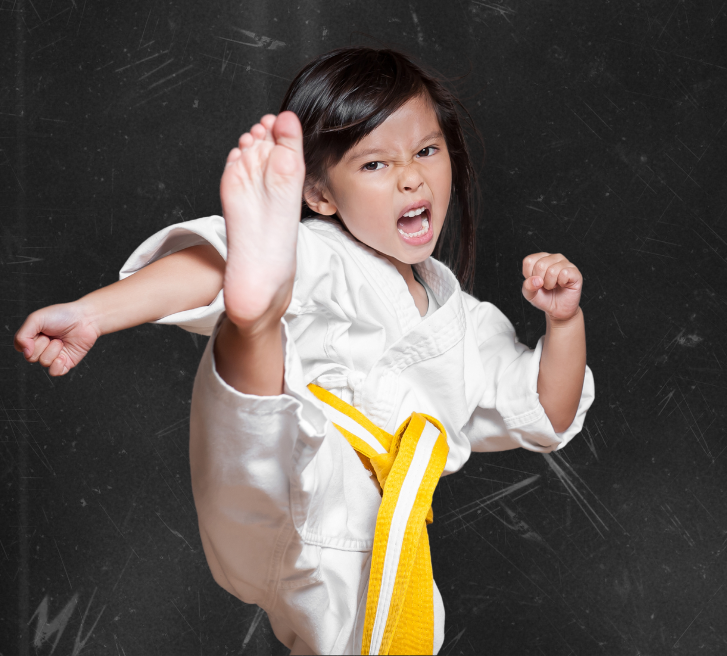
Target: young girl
337 332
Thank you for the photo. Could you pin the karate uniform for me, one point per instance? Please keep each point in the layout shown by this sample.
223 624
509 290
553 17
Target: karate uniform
286 509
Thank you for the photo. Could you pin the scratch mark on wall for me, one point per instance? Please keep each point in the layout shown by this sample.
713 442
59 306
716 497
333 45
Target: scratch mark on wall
170 77
185 621
26 259
122 573
44 630
499 10
141 61
253 626
417 25
117 529
169 61
173 532
698 614
579 498
522 528
474 506
247 68
79 644
144 31
677 524
62 563
455 640
258 41
172 427
590 442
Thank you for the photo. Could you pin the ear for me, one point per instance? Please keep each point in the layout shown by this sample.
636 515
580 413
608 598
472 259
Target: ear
318 199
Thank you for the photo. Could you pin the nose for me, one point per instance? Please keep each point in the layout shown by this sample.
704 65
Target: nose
410 177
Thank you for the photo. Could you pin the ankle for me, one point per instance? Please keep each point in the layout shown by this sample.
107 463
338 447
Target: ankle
252 321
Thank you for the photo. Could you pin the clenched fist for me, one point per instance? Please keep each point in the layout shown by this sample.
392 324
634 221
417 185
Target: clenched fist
57 336
552 284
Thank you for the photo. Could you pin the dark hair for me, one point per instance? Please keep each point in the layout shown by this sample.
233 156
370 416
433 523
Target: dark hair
345 94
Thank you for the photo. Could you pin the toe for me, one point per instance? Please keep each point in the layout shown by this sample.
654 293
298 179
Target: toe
267 122
234 155
258 131
288 131
246 141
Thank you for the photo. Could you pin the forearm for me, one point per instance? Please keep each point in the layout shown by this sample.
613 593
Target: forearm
562 369
184 280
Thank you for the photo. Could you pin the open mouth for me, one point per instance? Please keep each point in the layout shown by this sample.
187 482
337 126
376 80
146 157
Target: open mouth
414 223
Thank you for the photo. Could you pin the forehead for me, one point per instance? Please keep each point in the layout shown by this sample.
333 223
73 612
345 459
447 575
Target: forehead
406 127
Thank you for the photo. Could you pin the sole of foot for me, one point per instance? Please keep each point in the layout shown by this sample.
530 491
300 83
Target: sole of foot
261 191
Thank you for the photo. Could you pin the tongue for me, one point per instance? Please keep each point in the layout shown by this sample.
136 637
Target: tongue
410 223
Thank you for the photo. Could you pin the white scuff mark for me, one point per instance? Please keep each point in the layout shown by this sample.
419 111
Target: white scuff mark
417 25
559 469
482 503
265 42
255 621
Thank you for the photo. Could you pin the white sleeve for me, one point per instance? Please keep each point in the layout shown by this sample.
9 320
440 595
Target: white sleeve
244 452
510 415
174 238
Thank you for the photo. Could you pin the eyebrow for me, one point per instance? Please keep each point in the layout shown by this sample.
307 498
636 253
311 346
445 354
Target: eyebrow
437 134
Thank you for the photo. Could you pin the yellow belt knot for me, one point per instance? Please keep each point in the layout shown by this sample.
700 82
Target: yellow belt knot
407 465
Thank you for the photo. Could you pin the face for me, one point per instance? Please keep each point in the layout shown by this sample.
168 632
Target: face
402 167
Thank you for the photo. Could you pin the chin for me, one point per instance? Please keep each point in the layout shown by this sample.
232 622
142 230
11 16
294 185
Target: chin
419 257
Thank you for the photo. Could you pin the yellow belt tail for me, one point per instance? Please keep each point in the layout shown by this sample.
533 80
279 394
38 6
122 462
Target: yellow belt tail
408 465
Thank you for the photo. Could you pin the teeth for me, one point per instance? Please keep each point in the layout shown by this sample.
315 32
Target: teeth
419 233
417 212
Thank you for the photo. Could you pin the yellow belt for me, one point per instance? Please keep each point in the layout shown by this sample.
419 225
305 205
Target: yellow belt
407 466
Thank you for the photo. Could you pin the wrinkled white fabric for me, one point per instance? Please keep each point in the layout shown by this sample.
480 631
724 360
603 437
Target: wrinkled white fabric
286 511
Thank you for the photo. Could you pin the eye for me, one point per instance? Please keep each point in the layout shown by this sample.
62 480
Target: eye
373 166
427 152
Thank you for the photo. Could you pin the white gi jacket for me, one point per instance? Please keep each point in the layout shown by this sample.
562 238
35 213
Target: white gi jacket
286 510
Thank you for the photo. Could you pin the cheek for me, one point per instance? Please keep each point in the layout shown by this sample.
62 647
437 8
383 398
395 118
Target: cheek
363 214
360 200
443 185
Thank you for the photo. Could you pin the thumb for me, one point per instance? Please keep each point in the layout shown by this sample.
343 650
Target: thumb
23 344
24 340
531 286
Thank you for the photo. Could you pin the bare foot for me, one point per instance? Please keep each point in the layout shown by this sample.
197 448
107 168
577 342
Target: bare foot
261 192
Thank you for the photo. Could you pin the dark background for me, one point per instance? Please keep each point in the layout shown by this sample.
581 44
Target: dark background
604 124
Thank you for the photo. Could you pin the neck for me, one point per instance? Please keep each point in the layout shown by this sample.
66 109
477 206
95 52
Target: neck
418 293
404 269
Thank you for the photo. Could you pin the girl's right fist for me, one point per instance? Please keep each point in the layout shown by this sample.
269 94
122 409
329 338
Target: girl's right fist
57 336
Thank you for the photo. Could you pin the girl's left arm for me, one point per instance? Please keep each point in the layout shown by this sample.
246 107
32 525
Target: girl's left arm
553 284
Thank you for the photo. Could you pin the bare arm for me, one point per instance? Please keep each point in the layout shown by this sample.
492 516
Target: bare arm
553 284
562 369
59 336
187 279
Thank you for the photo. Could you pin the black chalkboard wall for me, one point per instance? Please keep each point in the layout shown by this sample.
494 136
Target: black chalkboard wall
605 129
